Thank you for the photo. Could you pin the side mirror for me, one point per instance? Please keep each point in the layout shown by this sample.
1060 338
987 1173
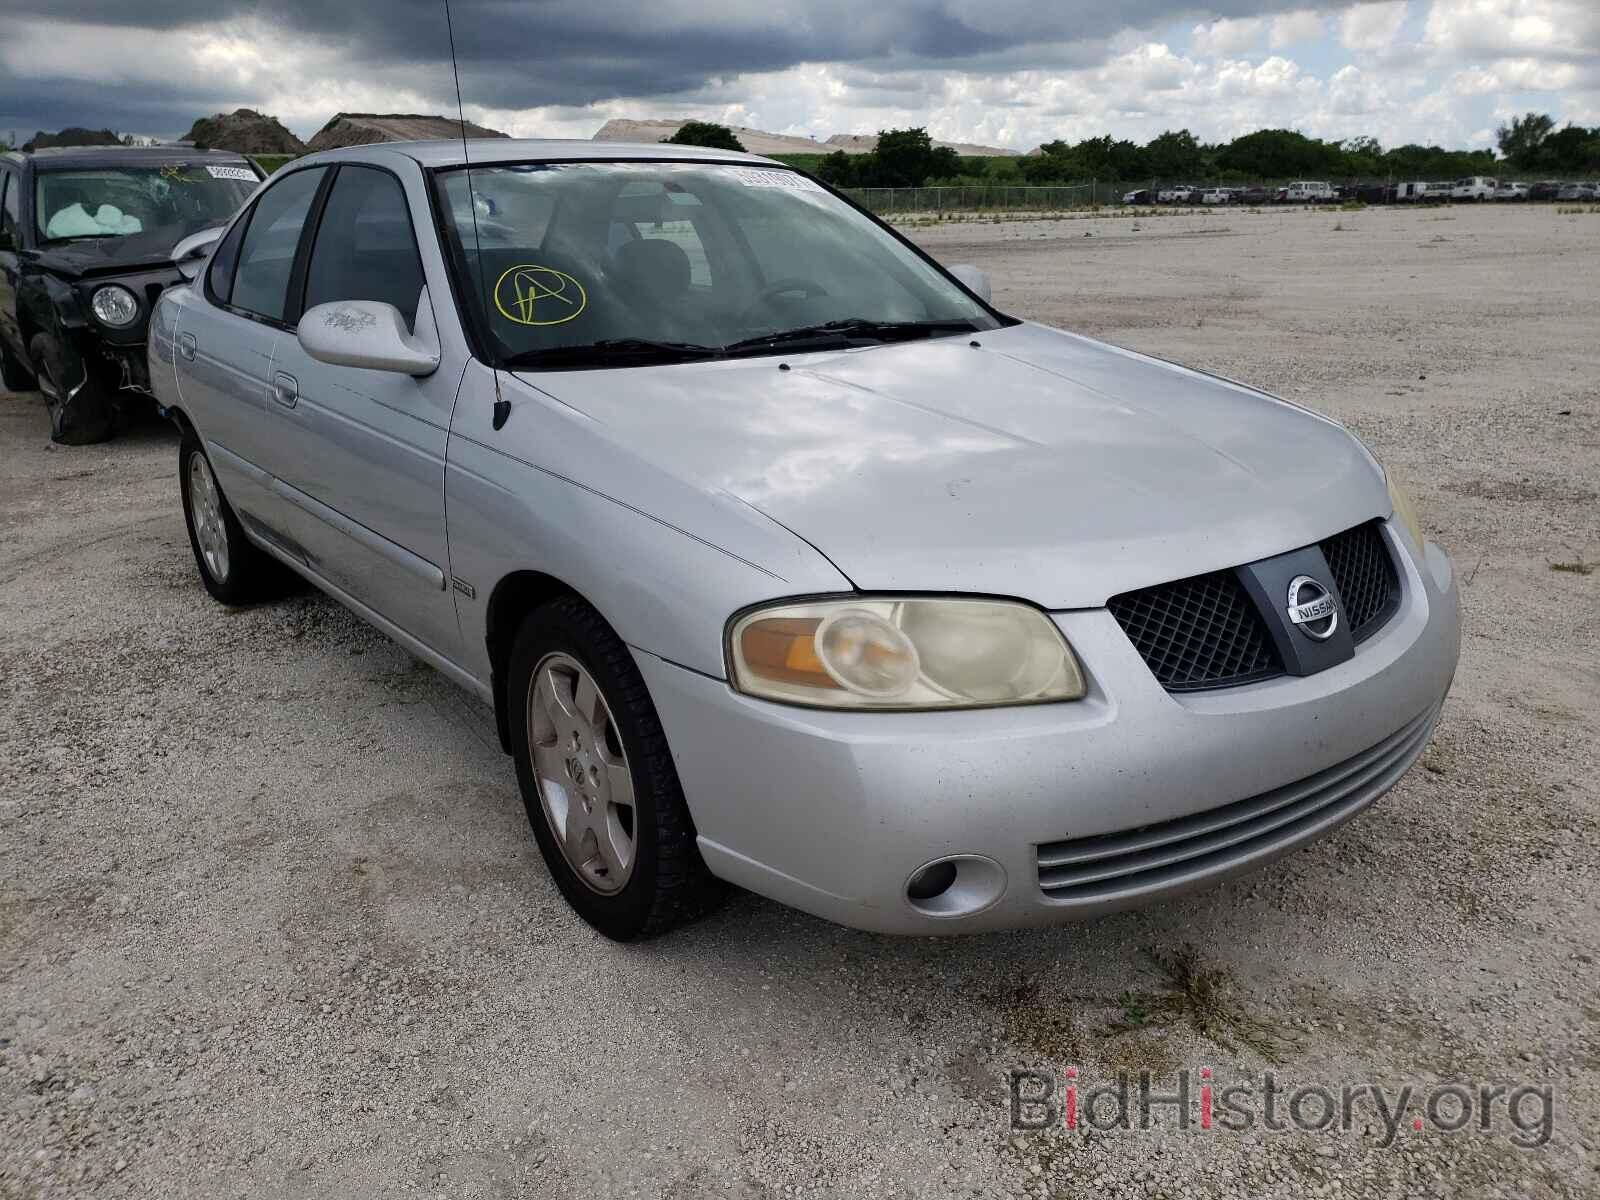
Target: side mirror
371 334
190 254
977 280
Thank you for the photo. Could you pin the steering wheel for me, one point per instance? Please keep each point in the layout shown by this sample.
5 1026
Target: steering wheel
808 289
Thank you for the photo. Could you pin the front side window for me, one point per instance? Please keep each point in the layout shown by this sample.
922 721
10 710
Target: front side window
10 214
266 256
159 204
560 259
364 248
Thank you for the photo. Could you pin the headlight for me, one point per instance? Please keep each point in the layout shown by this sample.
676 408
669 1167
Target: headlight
114 305
1404 510
902 653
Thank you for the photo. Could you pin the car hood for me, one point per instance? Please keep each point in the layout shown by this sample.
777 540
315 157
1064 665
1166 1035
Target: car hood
109 255
1036 464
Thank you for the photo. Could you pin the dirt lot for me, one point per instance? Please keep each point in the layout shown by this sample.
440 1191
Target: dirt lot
272 922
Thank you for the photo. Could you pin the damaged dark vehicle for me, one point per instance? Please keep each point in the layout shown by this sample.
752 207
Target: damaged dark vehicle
89 238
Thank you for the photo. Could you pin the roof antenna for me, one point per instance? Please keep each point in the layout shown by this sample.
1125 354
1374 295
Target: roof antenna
502 406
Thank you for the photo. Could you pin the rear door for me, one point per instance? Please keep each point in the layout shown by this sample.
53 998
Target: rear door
227 340
363 451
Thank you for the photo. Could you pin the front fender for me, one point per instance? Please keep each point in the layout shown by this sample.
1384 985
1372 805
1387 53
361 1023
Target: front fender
664 562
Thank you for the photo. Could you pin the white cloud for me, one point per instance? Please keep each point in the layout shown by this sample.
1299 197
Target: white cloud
1372 27
1225 37
1296 27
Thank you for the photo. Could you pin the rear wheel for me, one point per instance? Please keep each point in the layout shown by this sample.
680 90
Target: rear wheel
80 413
234 570
598 780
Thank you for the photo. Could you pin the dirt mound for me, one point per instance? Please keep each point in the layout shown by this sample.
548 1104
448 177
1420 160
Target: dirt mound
73 136
756 141
362 129
759 141
863 143
245 131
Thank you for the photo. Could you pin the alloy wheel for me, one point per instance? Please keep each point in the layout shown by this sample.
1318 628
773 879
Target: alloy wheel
205 510
585 785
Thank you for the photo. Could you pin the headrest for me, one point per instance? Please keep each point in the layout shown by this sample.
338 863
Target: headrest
652 267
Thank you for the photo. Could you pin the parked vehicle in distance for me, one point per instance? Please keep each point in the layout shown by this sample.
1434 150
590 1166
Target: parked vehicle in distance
783 557
1142 196
1256 194
1511 190
1545 189
1374 193
1308 192
1578 191
1216 195
1181 194
1474 187
88 238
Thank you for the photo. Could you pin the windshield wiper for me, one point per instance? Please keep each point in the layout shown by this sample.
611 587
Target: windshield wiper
851 329
611 351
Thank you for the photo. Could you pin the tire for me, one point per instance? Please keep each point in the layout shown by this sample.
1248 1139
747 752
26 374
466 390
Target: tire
234 570
616 744
88 416
14 374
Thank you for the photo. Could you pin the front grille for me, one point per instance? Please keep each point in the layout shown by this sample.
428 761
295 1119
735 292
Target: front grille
1206 632
1363 571
1121 866
1198 633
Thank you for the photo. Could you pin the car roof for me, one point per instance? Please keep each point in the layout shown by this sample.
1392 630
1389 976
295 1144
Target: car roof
480 151
100 156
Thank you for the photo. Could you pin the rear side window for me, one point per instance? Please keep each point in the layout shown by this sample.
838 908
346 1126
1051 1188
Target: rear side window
364 248
266 256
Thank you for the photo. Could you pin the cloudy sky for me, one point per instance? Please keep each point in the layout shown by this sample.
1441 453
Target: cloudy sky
1002 72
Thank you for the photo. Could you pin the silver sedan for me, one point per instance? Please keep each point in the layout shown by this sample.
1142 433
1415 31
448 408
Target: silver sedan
784 557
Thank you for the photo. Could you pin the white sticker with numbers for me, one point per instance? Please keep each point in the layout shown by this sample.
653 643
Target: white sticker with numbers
760 177
219 172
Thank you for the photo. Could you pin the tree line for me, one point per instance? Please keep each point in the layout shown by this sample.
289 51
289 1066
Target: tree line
908 158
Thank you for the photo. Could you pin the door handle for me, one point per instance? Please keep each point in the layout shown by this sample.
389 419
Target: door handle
285 390
187 346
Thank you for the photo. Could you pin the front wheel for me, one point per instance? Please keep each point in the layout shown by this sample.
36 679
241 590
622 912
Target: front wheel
598 780
81 412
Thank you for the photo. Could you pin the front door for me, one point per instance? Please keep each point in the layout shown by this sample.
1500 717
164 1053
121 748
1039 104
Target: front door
363 451
10 240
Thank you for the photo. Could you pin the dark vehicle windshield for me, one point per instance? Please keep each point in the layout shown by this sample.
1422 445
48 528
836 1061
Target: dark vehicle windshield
115 201
616 264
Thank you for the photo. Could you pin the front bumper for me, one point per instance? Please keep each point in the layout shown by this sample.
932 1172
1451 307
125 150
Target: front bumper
834 812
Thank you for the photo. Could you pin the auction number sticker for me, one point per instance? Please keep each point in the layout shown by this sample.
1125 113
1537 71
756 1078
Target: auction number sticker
244 173
529 294
760 177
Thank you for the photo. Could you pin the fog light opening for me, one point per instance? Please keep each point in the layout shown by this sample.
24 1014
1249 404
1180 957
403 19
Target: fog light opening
957 886
933 880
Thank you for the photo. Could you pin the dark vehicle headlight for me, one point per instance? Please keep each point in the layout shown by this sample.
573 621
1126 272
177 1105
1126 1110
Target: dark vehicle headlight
114 305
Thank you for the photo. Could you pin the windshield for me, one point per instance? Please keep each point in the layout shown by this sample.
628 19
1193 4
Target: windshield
655 259
174 200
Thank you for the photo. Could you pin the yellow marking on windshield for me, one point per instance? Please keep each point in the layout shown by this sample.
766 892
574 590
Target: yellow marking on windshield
529 294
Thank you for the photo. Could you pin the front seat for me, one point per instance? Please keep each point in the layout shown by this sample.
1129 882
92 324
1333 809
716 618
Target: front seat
652 275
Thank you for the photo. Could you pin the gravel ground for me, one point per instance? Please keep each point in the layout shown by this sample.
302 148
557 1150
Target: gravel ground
272 922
